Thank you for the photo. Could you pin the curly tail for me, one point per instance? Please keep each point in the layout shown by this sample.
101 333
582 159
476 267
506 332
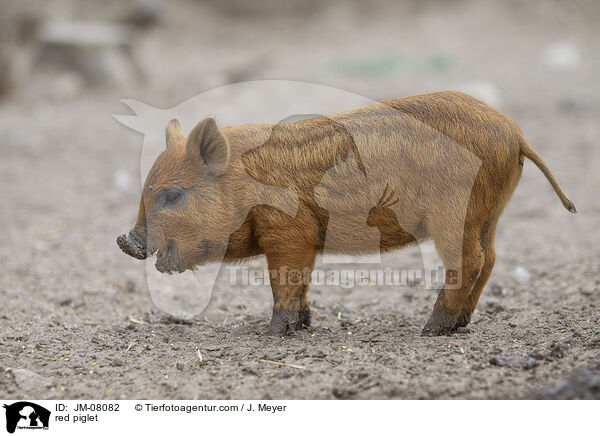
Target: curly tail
528 151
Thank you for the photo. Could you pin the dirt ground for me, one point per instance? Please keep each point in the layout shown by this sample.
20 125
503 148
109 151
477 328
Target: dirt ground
77 321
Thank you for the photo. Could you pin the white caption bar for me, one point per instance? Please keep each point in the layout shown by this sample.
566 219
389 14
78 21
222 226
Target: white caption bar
306 418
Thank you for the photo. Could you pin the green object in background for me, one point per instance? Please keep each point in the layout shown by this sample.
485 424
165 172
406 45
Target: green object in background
387 65
438 63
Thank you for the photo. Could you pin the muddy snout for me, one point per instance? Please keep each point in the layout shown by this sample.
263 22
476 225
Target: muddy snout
132 246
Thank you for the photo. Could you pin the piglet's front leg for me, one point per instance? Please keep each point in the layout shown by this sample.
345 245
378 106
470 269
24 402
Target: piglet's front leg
290 278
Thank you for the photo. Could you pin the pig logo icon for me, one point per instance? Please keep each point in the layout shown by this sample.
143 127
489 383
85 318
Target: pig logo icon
26 415
346 188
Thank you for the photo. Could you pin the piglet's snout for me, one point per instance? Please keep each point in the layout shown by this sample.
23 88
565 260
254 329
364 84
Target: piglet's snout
131 246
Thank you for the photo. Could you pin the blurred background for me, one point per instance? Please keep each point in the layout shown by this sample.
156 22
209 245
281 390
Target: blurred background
69 179
166 51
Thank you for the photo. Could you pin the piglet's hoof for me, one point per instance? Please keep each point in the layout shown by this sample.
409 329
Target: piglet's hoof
305 317
463 320
286 322
440 323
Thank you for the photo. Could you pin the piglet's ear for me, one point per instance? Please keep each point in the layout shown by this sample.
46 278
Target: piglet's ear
173 132
207 145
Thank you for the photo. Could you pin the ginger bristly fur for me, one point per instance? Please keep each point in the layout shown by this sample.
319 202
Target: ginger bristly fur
439 166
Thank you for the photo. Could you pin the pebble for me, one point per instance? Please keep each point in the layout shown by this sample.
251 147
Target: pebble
557 351
499 360
521 275
562 56
498 291
65 302
531 362
122 180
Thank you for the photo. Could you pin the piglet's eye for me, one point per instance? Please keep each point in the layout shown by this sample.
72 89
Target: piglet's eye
172 197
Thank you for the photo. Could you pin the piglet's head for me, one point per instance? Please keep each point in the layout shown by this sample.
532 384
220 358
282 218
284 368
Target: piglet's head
183 211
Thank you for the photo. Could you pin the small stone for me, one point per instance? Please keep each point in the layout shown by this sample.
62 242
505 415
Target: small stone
521 275
531 362
122 180
498 290
557 351
562 56
514 362
498 360
589 290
